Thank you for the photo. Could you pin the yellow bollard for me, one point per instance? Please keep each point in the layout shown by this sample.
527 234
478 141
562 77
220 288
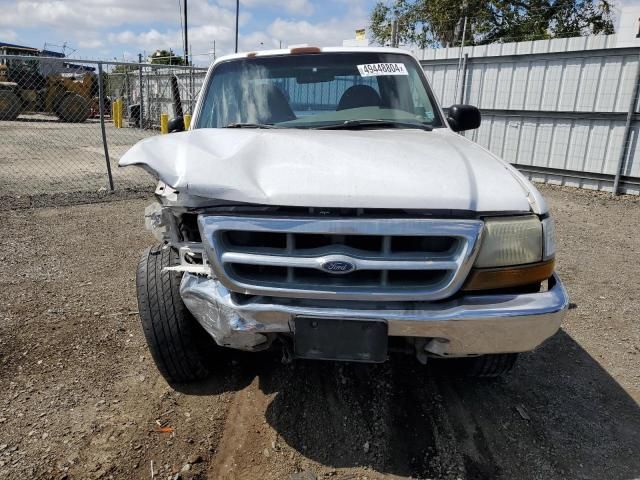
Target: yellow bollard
164 123
113 112
187 121
119 113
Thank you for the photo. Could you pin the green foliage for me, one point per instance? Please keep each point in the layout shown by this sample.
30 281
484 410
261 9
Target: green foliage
124 69
166 57
439 22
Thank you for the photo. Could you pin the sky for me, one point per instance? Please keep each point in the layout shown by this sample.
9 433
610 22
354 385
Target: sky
121 29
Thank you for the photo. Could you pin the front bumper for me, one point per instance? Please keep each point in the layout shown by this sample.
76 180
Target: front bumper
469 325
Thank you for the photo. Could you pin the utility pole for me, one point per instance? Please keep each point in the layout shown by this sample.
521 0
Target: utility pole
186 36
237 16
394 34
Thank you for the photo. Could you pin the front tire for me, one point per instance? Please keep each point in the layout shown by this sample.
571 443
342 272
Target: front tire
73 108
181 349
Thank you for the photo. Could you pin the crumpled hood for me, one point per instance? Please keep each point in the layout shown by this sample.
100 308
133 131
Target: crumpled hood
394 168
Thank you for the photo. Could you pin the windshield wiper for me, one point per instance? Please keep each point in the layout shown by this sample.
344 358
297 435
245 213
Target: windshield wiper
374 123
251 125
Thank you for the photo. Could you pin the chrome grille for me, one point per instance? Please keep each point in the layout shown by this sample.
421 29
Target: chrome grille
391 259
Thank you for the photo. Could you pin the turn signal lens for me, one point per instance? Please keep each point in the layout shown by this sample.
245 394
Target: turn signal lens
507 277
549 231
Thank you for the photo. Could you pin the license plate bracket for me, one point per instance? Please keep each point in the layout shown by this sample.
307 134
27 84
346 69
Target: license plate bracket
340 339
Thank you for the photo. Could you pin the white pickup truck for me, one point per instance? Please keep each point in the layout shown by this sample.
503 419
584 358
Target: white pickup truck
323 203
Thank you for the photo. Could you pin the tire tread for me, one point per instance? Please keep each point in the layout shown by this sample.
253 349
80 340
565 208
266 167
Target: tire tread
179 346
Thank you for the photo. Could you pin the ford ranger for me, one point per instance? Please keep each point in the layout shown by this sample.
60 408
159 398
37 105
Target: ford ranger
322 203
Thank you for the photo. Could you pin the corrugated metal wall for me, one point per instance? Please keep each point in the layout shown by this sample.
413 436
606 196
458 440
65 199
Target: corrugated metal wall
556 108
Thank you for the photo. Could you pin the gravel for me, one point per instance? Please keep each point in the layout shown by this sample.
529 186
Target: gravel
40 154
81 397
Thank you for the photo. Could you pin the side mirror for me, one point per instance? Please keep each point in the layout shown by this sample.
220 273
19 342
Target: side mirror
176 125
463 117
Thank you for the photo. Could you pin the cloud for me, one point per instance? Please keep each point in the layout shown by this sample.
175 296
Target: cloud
257 41
296 7
90 43
329 33
59 14
113 26
201 37
200 40
92 24
353 15
8 35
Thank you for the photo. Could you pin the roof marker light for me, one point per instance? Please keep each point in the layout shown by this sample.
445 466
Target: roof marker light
297 50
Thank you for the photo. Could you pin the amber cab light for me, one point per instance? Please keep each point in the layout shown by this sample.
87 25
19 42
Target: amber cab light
297 50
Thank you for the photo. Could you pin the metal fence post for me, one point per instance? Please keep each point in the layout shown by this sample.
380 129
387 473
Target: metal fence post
141 96
626 143
150 112
463 81
104 133
191 92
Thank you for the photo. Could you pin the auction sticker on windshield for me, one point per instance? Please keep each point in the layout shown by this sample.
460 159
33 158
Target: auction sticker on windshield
379 69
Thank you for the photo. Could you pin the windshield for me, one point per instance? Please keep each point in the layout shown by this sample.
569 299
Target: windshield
319 90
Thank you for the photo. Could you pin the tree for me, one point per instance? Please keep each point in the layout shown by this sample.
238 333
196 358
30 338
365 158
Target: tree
124 69
439 22
166 57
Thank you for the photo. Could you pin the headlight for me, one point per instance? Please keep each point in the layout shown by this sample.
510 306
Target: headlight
515 252
510 241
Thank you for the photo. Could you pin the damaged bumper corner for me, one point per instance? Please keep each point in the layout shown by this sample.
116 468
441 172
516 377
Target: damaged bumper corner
211 304
469 325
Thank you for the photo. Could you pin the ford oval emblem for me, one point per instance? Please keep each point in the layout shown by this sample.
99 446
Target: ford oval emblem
338 266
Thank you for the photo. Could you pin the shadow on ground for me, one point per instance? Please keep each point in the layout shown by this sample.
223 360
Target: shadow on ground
557 415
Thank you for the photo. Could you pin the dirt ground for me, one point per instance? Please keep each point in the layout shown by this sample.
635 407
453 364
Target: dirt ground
81 398
41 154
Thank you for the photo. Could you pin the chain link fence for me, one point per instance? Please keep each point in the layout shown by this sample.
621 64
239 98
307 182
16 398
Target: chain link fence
562 114
64 124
